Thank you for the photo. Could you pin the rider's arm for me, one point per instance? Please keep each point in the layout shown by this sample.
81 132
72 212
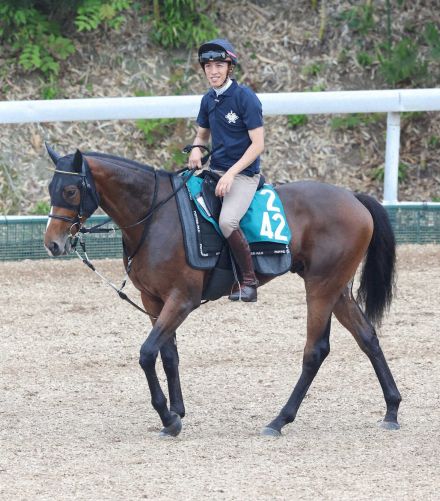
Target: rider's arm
202 138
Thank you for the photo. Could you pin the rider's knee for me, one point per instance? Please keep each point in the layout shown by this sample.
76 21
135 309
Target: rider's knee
228 225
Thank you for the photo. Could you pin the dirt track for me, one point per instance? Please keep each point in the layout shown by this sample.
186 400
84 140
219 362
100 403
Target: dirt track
76 422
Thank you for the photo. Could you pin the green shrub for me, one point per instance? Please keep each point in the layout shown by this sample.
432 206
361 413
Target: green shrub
359 19
32 29
40 208
297 120
402 175
346 122
318 88
94 13
355 120
313 69
432 38
155 129
33 39
412 115
364 59
182 23
401 63
51 90
178 159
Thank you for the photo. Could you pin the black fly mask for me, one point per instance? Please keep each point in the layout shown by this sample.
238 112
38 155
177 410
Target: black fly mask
72 176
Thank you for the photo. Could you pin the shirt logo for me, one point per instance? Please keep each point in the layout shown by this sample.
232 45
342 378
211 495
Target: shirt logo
231 117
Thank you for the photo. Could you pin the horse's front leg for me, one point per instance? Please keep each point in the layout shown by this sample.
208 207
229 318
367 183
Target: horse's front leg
170 362
173 313
169 356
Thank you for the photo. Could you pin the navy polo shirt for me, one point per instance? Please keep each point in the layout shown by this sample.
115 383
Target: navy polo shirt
229 117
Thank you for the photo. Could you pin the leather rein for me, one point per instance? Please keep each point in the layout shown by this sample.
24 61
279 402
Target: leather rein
78 221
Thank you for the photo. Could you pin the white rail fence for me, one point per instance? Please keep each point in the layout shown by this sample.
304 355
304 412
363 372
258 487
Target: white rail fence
392 102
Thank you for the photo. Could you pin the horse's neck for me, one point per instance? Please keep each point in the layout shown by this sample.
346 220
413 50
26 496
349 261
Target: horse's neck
125 193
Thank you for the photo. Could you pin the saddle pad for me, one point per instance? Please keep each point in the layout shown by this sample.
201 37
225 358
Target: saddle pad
269 258
188 215
264 221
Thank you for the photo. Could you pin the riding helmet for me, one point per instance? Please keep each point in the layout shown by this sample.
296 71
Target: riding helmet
218 49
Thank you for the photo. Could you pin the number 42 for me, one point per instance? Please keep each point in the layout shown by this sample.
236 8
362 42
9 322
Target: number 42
266 227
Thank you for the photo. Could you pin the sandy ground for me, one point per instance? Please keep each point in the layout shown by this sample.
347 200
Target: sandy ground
76 421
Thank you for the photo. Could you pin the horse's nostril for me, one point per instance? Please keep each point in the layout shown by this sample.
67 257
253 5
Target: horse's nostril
54 248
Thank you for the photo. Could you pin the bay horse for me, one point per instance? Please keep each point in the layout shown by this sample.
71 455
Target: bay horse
334 231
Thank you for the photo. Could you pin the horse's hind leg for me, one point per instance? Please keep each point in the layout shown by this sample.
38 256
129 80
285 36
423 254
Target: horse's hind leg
347 311
316 350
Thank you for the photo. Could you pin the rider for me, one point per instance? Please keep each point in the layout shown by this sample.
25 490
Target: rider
232 115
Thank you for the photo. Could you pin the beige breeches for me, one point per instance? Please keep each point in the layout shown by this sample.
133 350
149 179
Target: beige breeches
237 201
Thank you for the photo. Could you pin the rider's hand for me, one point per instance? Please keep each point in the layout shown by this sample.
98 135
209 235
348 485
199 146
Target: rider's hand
195 159
224 184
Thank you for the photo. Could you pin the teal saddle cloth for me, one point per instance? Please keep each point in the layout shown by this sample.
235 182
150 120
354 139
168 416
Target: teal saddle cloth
264 221
264 225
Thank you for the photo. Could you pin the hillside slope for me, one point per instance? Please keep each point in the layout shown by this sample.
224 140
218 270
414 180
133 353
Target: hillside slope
286 46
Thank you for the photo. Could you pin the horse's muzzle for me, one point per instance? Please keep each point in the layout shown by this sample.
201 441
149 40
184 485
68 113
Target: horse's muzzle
54 248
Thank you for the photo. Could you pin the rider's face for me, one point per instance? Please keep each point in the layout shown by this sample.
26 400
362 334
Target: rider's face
216 72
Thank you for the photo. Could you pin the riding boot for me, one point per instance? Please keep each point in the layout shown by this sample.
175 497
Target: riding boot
247 288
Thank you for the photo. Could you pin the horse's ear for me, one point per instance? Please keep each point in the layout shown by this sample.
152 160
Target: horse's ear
52 153
77 161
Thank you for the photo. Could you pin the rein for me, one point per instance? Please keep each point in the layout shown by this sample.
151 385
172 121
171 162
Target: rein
96 229
77 221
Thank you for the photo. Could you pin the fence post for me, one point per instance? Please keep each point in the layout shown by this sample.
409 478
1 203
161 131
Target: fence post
391 175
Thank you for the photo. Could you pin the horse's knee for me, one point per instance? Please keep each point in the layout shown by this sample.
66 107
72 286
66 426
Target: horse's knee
147 357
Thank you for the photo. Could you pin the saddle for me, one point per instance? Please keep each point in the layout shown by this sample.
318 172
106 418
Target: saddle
207 249
209 201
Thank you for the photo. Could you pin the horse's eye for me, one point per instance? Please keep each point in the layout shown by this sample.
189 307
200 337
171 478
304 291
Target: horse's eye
69 192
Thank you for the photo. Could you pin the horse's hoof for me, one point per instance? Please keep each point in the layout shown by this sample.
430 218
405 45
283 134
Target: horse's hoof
173 429
267 431
388 425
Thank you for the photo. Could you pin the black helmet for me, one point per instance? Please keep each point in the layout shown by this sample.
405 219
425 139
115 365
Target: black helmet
219 49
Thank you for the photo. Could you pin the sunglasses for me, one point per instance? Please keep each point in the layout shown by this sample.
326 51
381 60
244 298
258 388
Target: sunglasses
213 55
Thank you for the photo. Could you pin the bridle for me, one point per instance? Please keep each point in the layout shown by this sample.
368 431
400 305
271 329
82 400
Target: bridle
86 191
77 219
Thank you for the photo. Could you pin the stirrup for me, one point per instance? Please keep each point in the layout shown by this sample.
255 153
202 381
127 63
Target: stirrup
245 293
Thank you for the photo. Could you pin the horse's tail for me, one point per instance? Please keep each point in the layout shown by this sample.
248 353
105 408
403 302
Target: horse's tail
378 273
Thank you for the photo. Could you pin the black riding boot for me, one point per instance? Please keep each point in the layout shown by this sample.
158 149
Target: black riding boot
247 289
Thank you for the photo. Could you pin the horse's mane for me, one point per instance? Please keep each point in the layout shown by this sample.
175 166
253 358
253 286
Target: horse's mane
123 162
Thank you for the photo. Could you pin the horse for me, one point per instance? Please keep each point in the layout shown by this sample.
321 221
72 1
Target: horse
334 232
